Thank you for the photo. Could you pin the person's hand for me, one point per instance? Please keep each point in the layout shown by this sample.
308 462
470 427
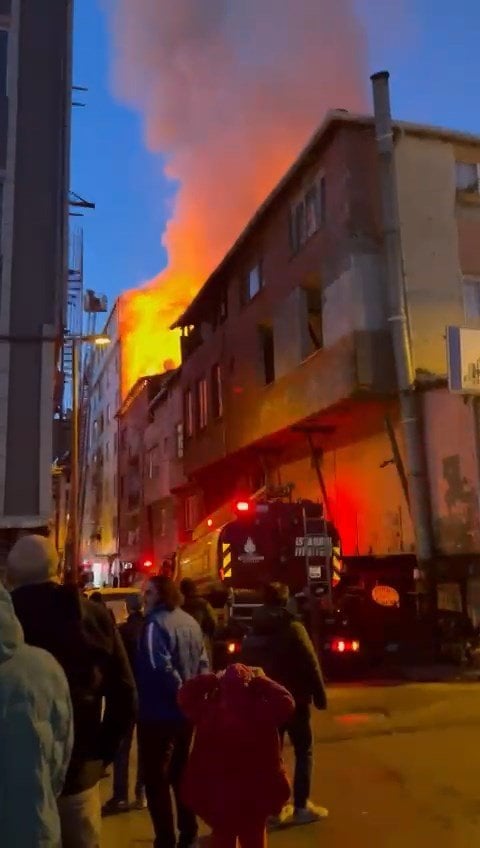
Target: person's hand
257 671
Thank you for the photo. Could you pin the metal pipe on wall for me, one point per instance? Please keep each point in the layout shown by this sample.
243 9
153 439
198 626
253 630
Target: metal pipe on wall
418 488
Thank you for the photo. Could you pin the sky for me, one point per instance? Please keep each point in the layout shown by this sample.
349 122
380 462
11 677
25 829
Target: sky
435 78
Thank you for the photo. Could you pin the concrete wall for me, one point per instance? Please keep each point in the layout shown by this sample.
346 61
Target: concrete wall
34 246
453 466
426 182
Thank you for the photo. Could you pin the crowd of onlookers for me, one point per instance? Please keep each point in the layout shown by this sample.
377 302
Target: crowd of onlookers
75 690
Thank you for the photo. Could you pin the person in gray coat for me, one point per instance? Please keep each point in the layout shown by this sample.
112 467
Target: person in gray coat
36 738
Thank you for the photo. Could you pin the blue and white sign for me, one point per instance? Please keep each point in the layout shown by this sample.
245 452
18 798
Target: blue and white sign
463 357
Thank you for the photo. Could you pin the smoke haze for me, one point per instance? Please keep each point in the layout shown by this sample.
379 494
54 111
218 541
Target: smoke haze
230 91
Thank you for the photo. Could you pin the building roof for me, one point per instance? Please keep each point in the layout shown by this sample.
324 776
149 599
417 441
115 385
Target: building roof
153 381
333 120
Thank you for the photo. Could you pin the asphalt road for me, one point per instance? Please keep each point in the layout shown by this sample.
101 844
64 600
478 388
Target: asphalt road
397 766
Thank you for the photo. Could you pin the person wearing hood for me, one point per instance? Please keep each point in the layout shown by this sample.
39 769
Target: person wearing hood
235 778
280 644
171 651
83 639
36 737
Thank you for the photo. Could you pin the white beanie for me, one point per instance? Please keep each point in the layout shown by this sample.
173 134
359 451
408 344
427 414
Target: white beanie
33 559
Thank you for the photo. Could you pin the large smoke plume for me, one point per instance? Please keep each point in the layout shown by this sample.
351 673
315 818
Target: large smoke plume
230 90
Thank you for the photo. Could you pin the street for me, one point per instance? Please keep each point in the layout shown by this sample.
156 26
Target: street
395 765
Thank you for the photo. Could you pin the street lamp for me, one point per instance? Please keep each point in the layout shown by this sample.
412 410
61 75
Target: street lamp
99 340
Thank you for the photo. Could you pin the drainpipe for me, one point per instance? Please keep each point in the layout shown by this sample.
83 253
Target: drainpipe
418 489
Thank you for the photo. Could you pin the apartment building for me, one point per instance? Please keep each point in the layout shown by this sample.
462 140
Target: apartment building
100 492
163 469
138 469
35 107
287 368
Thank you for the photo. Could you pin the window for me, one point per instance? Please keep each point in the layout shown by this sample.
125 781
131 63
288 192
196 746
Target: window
471 302
191 513
308 214
315 319
467 177
252 283
163 521
268 354
202 403
188 413
217 399
179 439
153 465
3 61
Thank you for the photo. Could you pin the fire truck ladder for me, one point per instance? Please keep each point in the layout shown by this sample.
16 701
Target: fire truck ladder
316 536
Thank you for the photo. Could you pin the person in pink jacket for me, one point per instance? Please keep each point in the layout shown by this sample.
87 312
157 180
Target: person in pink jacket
235 778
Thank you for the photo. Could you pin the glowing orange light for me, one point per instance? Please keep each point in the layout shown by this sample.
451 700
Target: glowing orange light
209 522
355 647
232 648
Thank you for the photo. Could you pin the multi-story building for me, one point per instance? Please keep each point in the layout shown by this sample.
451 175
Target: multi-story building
163 468
138 466
99 507
35 107
287 366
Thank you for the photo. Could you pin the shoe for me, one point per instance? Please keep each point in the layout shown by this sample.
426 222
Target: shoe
274 822
114 807
140 803
309 814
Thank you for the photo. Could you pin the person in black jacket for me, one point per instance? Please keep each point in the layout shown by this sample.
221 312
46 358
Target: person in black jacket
201 611
83 639
281 646
130 632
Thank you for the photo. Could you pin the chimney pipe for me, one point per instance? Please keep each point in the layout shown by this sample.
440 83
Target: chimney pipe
418 489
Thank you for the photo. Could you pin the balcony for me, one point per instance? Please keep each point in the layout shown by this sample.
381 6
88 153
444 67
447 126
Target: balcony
358 366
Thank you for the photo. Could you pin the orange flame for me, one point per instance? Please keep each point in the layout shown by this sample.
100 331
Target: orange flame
229 93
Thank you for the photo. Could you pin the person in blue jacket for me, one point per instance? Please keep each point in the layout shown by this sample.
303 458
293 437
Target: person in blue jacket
171 651
36 738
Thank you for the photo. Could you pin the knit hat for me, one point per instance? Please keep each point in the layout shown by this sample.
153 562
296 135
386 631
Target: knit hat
33 559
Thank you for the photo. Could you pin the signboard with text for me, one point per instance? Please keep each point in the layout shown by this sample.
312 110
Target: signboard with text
463 358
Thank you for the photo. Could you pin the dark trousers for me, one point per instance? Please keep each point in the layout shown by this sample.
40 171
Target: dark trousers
121 769
299 730
164 750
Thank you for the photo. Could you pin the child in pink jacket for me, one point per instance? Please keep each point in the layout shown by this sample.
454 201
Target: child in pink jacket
235 778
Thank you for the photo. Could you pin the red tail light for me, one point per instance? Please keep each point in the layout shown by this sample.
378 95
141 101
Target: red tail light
233 647
345 646
242 506
147 563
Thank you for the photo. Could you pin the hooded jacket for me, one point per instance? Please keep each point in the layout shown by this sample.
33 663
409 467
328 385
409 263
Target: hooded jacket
82 637
36 737
280 645
235 768
171 651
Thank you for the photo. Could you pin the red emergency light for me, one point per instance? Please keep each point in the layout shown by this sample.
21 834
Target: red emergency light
345 646
147 563
242 506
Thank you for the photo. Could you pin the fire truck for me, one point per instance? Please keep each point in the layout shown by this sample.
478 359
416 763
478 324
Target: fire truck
356 611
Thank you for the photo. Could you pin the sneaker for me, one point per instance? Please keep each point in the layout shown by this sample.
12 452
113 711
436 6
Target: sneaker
309 814
140 803
114 807
274 822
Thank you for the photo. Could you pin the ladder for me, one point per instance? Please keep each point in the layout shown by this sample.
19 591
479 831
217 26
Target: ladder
318 546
